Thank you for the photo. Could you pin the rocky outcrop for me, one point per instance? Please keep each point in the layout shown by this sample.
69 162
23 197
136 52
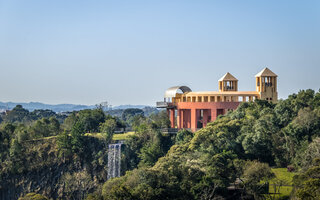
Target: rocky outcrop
44 172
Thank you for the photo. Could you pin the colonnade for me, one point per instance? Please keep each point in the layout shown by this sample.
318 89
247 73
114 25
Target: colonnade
193 118
218 98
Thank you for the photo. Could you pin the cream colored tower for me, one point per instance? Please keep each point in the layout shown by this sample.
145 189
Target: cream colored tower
228 83
266 85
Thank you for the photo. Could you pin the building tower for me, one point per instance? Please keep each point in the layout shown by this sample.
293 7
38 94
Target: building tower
228 83
266 85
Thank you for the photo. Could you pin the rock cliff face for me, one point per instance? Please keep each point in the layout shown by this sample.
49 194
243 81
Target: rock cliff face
46 173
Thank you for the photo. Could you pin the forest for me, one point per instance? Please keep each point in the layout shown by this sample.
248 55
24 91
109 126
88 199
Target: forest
249 153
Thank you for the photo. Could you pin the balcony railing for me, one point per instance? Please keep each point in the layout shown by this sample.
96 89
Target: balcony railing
169 130
163 104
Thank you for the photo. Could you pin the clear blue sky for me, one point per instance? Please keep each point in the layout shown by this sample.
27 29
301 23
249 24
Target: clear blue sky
130 52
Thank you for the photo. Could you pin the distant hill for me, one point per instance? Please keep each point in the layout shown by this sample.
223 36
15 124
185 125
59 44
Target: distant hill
31 106
123 107
36 105
147 110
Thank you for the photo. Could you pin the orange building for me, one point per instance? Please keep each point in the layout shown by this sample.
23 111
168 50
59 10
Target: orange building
193 110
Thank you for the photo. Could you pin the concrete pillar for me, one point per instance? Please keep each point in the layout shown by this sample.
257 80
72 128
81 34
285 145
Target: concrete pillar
213 114
172 117
182 124
186 118
178 118
205 117
193 119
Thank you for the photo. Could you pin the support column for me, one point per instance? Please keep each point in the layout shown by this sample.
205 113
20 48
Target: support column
178 118
205 117
193 119
182 124
188 118
172 117
213 115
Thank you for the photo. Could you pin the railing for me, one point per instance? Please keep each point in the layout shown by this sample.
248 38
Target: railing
163 130
169 130
163 104
175 130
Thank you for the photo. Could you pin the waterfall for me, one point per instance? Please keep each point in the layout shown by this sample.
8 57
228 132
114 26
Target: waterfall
114 160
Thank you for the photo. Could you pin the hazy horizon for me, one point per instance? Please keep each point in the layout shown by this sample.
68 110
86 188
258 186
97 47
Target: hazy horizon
130 52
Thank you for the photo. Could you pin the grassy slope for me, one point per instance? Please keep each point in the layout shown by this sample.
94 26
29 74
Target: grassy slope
122 136
283 175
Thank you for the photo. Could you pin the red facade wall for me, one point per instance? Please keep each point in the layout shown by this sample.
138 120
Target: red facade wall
189 113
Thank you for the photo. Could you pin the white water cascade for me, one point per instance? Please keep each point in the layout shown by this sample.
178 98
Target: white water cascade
114 160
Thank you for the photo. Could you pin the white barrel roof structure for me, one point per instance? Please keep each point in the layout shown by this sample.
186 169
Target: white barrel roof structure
171 92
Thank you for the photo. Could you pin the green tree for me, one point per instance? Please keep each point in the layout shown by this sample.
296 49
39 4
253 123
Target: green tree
129 113
15 148
54 126
64 144
21 133
257 142
6 133
183 136
149 154
16 156
108 128
70 121
77 140
256 177
219 173
160 120
17 114
309 154
91 119
40 128
307 184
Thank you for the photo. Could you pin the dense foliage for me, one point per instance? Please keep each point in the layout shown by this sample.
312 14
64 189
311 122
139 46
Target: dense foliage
19 114
32 142
229 159
238 147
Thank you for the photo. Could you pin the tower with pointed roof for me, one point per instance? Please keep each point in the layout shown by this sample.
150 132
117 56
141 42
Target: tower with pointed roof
266 85
196 109
228 83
